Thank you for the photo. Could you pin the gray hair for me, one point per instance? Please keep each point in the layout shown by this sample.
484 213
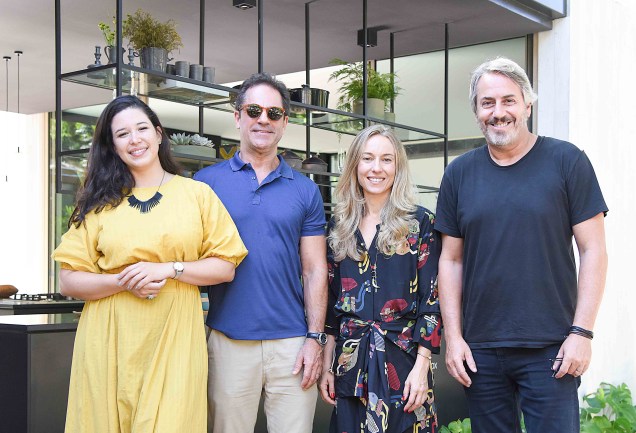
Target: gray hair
508 68
267 79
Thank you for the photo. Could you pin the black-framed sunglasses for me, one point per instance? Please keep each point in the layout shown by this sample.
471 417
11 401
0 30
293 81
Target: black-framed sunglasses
255 110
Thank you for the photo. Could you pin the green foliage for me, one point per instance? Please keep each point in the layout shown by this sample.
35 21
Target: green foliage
142 30
350 77
609 410
109 34
459 426
75 135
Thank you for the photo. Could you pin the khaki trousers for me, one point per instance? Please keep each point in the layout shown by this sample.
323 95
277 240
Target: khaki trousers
241 370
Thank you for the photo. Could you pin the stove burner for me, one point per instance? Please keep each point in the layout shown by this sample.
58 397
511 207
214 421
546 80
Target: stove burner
38 297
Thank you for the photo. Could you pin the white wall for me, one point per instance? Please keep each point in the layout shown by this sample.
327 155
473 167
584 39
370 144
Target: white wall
586 93
24 202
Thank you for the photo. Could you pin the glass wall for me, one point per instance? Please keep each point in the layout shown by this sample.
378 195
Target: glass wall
421 103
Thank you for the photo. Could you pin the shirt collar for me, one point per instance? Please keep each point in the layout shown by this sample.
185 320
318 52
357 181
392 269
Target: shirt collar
236 163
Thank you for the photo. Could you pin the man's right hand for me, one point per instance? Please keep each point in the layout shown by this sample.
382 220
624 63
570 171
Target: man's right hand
458 352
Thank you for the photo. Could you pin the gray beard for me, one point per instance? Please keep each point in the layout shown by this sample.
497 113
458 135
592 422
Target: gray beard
499 140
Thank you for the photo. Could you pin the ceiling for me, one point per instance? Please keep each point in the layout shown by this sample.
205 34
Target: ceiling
231 36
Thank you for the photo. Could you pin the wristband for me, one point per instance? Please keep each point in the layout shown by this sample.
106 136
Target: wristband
577 330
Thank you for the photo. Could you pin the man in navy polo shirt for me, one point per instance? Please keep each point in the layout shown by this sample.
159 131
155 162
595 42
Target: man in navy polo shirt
267 325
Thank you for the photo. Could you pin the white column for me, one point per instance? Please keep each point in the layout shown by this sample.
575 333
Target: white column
587 95
24 169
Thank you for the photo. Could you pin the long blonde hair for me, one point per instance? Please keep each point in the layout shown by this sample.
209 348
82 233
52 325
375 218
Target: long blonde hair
350 203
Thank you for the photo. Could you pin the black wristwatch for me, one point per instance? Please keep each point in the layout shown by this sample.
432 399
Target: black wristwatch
320 337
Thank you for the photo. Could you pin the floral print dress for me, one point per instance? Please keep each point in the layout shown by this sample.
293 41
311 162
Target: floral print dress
383 307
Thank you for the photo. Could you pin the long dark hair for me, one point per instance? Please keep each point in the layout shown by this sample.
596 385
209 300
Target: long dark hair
108 179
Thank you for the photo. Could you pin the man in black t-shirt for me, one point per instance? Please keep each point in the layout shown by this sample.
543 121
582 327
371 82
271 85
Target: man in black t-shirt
518 323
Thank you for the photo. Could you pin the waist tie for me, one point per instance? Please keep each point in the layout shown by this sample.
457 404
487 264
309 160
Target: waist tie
361 366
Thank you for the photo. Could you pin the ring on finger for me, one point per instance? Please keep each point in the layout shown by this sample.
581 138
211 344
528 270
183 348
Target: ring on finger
150 297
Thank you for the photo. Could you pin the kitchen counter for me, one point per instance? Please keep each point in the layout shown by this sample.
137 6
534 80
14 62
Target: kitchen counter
35 367
45 306
31 323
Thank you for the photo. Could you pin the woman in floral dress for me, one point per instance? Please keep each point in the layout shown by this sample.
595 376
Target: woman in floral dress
383 316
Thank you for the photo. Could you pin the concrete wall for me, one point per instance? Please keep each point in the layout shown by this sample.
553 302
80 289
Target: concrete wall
586 95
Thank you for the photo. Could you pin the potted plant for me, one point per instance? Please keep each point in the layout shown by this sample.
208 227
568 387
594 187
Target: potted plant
192 144
109 38
153 40
381 88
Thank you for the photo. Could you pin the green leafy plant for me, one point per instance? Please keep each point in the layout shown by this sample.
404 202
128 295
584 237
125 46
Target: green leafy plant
350 77
609 409
463 426
459 426
142 31
109 34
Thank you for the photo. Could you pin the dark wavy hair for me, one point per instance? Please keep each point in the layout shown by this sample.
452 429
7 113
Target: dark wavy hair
263 78
108 180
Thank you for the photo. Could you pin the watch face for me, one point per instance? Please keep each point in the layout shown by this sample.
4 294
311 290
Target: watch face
322 338
178 266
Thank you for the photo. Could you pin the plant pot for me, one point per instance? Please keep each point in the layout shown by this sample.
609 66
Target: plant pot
189 149
153 58
315 164
375 107
111 53
293 160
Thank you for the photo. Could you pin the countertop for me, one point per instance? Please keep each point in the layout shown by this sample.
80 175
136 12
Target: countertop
40 322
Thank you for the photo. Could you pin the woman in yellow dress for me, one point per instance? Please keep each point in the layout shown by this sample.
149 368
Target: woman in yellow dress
141 240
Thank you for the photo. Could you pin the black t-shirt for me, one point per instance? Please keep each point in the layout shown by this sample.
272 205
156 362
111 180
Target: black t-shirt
519 273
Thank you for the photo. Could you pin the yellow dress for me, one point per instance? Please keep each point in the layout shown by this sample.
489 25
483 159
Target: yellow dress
140 366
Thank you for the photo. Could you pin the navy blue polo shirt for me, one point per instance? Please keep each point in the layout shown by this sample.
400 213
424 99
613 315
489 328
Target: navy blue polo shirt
265 301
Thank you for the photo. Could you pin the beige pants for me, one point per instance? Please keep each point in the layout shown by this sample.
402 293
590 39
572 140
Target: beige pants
241 370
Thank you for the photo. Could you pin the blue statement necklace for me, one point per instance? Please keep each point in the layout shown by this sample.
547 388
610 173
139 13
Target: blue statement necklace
146 206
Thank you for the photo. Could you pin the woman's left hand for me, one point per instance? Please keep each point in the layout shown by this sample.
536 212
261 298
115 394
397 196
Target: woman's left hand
416 385
137 276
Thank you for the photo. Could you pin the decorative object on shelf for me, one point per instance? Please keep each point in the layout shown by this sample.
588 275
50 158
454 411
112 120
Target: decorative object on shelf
109 38
153 40
192 144
182 68
379 86
131 57
315 164
292 159
111 53
208 74
196 72
170 69
98 56
308 95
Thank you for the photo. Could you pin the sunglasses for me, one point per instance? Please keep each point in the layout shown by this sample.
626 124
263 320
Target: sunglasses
255 111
